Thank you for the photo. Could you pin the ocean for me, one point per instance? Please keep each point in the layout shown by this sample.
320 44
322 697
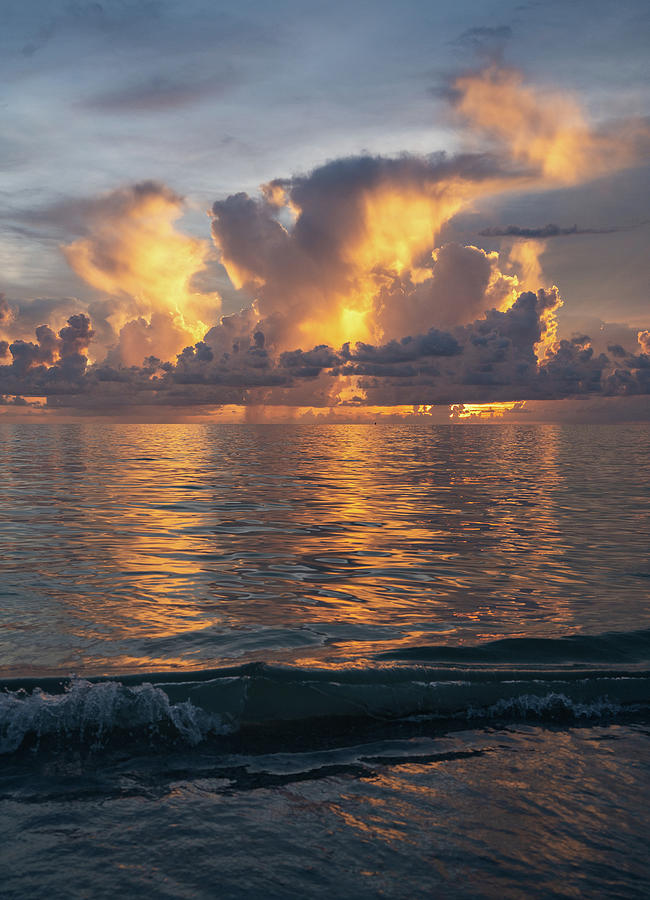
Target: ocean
324 661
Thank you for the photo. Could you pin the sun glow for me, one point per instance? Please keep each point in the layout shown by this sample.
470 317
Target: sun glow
475 411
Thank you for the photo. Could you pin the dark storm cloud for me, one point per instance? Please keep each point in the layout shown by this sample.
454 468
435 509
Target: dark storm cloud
309 364
244 367
631 380
604 335
494 357
18 401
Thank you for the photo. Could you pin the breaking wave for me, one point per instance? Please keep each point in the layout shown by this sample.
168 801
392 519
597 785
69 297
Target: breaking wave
191 709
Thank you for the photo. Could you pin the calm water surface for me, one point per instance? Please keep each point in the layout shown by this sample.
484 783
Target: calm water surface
324 661
131 547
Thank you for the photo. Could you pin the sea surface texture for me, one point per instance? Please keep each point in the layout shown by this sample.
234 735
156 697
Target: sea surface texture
324 661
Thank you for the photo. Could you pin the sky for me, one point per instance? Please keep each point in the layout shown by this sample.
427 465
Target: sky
331 211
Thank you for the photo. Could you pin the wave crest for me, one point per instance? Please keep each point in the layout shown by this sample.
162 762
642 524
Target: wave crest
212 704
89 713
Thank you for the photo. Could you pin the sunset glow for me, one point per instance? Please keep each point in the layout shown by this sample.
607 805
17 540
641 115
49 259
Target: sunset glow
352 284
324 418
136 256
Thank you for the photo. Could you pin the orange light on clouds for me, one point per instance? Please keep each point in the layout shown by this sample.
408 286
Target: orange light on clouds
543 128
379 273
135 255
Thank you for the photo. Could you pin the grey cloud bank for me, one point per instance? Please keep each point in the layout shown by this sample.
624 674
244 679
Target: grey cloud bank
490 360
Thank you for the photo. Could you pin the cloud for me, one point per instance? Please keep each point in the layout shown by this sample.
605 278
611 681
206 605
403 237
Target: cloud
488 40
493 359
359 225
27 314
311 363
545 231
74 339
146 25
134 256
544 131
408 349
6 312
54 363
348 296
348 252
464 282
603 335
21 402
158 93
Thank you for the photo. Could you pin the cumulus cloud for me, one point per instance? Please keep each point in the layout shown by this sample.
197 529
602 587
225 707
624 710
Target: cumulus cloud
348 296
133 255
465 281
17 401
643 338
349 251
359 224
492 359
54 363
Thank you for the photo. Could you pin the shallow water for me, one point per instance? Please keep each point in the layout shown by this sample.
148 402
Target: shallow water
324 660
504 813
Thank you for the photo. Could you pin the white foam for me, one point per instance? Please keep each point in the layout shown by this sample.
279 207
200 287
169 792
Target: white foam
91 712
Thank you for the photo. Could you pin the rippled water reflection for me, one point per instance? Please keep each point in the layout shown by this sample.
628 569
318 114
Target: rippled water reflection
127 547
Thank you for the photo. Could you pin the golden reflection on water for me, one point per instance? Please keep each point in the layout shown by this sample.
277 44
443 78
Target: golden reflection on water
550 805
191 545
142 527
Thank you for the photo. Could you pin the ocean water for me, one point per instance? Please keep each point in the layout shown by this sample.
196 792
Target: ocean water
296 661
